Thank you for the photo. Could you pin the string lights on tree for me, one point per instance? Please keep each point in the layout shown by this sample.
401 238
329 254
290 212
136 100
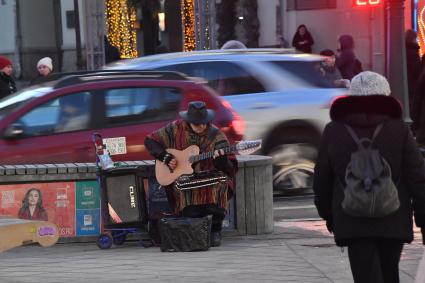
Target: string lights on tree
421 34
188 24
120 18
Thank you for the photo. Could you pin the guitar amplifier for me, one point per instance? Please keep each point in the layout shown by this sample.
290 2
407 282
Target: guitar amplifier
123 197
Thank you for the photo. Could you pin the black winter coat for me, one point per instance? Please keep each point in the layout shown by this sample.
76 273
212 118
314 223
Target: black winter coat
414 66
346 60
396 145
7 85
306 47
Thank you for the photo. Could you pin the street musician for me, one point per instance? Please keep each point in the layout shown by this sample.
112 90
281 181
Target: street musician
195 129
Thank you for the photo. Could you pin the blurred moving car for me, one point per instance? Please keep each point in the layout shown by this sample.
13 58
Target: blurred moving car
283 98
54 122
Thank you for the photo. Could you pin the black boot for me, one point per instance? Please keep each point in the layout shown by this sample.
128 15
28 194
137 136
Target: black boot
215 239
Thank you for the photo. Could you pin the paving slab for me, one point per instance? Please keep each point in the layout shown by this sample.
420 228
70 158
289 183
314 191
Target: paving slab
300 251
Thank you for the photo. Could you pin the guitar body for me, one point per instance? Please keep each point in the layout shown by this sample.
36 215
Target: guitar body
17 232
165 177
162 172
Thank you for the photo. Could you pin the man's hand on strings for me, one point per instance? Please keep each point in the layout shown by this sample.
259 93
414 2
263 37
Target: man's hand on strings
172 164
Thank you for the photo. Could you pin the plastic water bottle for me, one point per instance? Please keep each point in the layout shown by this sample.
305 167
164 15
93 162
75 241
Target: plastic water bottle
105 160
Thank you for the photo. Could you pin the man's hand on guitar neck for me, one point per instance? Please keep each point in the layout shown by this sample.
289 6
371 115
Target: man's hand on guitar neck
217 153
170 161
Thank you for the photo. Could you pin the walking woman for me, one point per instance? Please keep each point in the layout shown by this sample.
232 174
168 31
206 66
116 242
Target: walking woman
374 244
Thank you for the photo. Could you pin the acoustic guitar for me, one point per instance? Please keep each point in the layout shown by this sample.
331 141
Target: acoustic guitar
190 155
17 232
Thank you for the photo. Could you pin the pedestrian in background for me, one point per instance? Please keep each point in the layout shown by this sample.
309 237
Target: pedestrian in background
418 110
44 69
374 244
329 70
112 52
413 62
302 40
7 84
346 61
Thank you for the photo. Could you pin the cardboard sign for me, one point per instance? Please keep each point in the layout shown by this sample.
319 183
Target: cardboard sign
116 145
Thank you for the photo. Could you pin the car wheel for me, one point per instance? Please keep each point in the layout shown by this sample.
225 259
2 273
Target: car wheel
293 166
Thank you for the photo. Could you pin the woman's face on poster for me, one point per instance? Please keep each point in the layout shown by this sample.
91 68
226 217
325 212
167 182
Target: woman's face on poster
33 197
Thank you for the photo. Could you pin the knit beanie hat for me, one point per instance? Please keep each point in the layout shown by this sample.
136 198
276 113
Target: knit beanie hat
369 83
46 61
233 44
4 62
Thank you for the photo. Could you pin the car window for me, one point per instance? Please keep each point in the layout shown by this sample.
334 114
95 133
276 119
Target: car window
13 101
224 77
135 105
308 71
63 114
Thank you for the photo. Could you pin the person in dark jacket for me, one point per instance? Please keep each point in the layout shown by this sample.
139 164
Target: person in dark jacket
329 70
7 84
418 110
302 40
374 244
112 52
413 62
195 128
346 61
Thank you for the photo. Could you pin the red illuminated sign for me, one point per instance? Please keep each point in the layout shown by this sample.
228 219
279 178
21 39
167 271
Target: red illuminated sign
366 2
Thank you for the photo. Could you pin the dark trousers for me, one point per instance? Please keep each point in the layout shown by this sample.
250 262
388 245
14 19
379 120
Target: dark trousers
197 211
375 260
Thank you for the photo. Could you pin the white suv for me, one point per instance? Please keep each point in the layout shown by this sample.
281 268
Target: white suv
282 96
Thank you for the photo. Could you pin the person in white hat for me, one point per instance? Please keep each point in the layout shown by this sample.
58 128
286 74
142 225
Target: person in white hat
370 116
44 68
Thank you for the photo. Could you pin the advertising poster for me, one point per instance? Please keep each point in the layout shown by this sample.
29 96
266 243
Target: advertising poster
87 208
54 202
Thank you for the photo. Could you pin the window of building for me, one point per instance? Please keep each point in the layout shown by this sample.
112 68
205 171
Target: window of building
310 4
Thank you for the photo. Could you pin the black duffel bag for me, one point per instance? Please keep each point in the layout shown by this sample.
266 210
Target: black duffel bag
185 234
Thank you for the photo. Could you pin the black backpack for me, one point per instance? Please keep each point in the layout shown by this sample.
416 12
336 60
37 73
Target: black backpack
369 189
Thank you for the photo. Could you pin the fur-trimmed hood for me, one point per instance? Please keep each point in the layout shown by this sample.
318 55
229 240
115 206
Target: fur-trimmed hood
365 110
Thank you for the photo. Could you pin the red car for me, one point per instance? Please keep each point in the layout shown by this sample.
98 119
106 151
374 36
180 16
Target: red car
54 122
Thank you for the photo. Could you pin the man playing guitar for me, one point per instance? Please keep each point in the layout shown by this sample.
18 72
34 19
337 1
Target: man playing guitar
195 128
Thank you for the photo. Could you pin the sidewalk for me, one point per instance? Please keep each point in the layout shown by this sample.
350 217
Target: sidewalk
295 252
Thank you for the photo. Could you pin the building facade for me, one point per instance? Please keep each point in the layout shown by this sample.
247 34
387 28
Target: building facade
35 29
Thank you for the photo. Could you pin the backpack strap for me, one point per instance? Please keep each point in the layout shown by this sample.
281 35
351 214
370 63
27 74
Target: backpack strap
354 136
358 141
376 132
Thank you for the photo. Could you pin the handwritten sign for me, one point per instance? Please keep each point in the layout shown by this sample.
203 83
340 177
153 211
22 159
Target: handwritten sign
116 145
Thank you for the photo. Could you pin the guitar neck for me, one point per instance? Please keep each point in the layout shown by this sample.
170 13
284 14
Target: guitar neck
210 154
